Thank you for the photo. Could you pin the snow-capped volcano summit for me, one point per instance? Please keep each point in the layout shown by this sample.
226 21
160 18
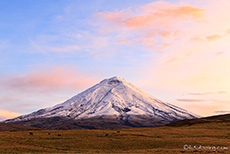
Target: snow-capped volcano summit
114 98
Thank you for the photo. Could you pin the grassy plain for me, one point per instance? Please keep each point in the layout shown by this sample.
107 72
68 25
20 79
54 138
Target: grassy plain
164 139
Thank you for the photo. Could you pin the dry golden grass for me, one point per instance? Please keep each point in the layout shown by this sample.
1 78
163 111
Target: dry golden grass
131 140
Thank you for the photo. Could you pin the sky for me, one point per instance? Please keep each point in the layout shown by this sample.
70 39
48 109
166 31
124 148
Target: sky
175 50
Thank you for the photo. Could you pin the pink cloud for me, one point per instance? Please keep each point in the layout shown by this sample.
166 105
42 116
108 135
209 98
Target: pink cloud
207 93
123 41
53 79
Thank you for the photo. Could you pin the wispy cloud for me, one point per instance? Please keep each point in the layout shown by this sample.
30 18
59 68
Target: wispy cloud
205 106
207 93
204 100
153 24
41 87
78 43
213 37
220 53
153 15
191 100
49 80
63 49
223 112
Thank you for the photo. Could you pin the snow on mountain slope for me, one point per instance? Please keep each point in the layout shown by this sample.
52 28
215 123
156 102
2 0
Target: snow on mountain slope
113 97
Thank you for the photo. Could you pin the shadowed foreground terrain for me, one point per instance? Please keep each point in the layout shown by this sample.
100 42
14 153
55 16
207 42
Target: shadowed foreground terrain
164 139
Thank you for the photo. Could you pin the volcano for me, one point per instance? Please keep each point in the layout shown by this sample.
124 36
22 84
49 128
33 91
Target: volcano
112 103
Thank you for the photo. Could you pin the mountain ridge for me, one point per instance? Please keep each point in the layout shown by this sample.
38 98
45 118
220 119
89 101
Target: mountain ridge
222 118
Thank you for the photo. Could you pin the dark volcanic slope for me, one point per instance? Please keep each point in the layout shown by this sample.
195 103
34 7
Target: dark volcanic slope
13 127
103 122
213 119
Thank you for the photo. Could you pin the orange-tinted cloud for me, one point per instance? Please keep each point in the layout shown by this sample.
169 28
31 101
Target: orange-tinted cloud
162 16
213 37
155 13
62 77
228 31
220 53
191 100
4 114
153 22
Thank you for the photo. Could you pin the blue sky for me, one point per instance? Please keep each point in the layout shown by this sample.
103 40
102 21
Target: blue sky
32 30
52 50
